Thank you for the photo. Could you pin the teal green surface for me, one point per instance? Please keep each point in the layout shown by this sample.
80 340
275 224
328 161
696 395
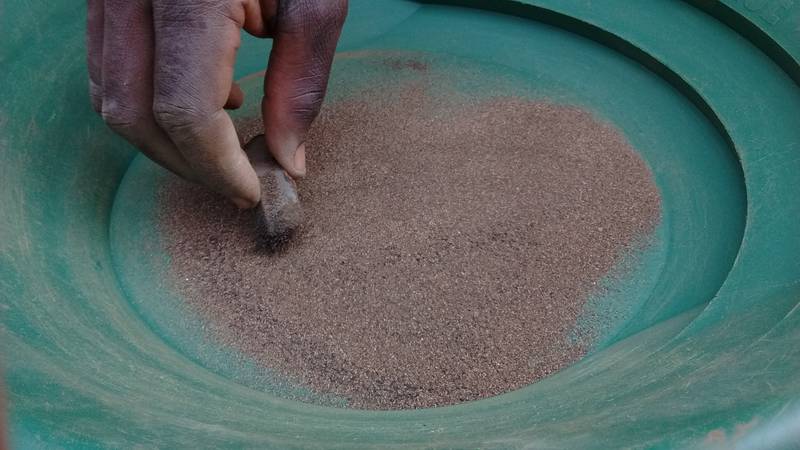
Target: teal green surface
698 341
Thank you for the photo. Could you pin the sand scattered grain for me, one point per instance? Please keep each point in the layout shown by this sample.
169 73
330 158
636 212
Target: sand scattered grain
448 247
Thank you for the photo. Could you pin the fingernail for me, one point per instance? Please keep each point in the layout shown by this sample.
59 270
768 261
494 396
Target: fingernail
300 161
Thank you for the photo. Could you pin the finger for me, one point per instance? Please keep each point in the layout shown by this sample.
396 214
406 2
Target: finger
305 33
196 43
94 51
127 67
235 97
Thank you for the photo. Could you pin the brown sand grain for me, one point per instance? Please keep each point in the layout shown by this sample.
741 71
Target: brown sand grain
448 248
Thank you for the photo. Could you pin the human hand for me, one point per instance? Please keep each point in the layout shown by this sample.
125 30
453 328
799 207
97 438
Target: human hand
161 72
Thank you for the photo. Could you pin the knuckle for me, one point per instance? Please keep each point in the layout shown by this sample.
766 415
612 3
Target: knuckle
320 15
307 103
174 115
120 116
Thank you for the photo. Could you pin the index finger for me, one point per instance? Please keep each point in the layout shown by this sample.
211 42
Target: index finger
196 44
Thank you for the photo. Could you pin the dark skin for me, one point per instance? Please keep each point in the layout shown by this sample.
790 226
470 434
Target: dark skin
161 74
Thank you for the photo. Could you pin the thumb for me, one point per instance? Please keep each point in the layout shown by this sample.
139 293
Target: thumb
305 34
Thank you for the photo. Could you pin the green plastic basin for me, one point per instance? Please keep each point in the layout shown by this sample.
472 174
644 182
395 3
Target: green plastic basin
699 343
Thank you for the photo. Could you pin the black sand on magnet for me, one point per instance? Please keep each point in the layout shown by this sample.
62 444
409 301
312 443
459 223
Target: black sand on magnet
279 213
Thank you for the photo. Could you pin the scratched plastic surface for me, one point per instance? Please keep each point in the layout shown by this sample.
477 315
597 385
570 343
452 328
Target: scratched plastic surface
700 351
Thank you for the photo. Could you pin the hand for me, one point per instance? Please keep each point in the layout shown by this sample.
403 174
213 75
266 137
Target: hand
161 72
